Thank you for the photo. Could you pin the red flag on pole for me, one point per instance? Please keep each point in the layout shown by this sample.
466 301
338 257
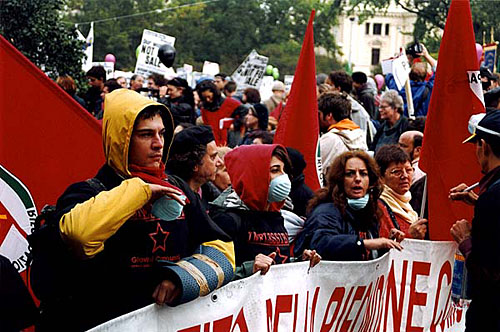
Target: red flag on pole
298 127
47 142
457 94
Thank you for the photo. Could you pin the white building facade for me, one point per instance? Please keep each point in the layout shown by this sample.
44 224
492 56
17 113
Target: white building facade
366 44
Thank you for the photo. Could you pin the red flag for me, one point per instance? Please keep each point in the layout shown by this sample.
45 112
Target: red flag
445 159
298 127
48 141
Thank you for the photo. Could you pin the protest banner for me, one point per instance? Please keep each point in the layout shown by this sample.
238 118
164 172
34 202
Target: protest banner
399 68
148 61
250 73
48 141
490 54
455 97
298 126
400 291
88 47
109 67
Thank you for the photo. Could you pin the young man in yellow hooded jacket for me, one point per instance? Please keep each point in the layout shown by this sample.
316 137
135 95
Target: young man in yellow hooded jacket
128 244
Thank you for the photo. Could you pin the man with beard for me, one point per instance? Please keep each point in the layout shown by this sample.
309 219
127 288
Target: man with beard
214 108
93 101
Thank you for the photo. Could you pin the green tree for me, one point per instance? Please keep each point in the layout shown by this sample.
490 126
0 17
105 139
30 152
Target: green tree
222 31
35 29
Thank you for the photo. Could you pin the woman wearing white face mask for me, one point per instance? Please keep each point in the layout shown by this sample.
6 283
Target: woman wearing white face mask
343 219
249 211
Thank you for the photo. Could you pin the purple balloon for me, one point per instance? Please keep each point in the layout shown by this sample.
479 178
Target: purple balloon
479 52
380 81
110 58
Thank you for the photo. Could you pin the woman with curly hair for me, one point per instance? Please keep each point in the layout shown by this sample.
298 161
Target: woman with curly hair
343 216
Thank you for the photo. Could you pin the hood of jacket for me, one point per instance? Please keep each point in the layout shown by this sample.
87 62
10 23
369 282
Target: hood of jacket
248 167
121 108
353 139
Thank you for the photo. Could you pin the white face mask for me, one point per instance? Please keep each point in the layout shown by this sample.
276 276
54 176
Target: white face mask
358 203
167 208
279 188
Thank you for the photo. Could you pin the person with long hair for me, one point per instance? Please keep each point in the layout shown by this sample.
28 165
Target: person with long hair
180 101
343 216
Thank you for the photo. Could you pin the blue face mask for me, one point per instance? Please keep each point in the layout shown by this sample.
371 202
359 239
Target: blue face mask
279 188
167 208
358 203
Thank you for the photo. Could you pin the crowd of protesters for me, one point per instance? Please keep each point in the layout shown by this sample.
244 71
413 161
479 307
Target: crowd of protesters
195 194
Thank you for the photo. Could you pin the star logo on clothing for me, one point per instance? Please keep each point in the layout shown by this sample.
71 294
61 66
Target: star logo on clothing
159 238
278 254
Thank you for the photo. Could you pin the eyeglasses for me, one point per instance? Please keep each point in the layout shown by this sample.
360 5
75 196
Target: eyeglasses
400 172
383 107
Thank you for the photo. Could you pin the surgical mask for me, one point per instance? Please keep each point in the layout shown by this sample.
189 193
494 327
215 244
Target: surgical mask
167 208
279 188
358 203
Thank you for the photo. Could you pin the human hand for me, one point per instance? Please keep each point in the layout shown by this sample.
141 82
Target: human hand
424 52
396 234
460 231
382 243
158 191
458 194
418 229
166 292
262 263
312 256
163 91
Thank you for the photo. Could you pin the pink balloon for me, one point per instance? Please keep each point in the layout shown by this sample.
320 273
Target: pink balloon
380 81
479 52
110 58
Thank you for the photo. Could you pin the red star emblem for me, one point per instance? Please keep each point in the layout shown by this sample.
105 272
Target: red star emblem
278 254
159 238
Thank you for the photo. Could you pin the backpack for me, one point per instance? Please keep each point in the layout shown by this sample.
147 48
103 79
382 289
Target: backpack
51 261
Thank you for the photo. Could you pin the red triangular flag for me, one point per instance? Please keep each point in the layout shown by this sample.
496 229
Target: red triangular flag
445 159
298 127
47 142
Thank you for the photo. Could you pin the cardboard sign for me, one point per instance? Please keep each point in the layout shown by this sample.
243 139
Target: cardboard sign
148 61
250 73
210 68
399 68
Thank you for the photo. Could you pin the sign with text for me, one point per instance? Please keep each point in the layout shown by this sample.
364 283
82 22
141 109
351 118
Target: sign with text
401 291
399 67
109 67
148 61
250 73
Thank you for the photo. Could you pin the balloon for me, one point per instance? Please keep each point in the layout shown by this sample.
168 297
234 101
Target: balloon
479 52
269 70
137 50
166 53
275 70
276 74
380 81
110 58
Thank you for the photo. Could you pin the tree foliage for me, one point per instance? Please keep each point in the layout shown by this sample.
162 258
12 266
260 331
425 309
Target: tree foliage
431 14
220 31
34 28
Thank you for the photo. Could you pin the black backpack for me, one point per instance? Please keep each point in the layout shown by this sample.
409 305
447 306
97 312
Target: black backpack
51 261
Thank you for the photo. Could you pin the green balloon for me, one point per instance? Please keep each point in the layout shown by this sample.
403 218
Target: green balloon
137 50
269 70
276 70
276 75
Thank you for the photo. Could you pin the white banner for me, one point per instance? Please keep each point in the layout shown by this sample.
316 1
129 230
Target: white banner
249 74
401 291
147 60
399 68
88 47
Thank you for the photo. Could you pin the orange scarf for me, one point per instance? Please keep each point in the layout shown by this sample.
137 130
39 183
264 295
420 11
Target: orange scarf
343 125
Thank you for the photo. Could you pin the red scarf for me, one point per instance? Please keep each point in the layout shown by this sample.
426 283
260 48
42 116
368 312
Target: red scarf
154 175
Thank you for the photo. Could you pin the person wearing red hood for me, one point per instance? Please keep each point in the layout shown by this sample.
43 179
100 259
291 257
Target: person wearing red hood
249 211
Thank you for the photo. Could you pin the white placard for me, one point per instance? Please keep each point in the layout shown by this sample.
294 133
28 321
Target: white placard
210 68
148 61
250 73
109 67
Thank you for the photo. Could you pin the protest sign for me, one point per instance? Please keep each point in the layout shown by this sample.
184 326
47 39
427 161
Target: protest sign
266 87
109 67
399 68
250 73
288 82
401 291
210 68
148 61
490 53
